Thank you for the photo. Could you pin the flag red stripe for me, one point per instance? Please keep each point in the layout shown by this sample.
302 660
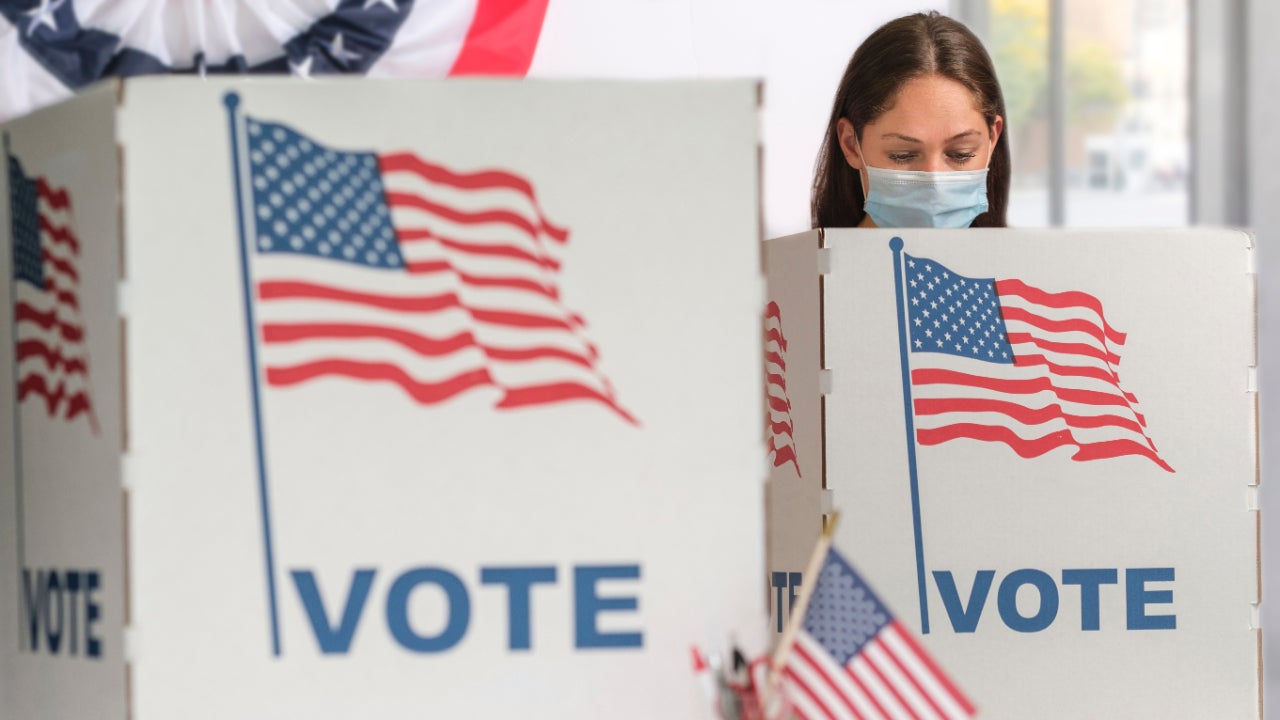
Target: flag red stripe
776 359
47 320
53 357
1065 348
783 455
775 335
1061 301
779 404
519 319
773 311
510 283
77 405
481 180
1028 386
799 682
558 392
56 198
60 235
866 692
35 384
423 392
1117 448
778 380
1084 371
62 266
409 235
781 427
1022 413
536 353
817 666
1035 447
420 344
464 217
298 290
1054 326
915 682
938 675
892 687
502 38
65 297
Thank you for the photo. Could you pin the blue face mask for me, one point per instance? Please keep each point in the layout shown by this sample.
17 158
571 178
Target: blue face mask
919 199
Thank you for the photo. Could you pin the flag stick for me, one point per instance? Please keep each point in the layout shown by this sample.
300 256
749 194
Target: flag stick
232 101
908 414
802 600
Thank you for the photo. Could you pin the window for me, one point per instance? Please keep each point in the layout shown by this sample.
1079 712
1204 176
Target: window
1097 96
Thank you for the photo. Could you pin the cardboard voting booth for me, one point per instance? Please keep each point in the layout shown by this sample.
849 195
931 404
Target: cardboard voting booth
359 399
1043 446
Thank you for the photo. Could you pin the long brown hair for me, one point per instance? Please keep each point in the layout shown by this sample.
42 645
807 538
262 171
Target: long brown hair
901 50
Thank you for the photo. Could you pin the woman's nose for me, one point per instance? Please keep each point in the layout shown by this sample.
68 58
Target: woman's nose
934 163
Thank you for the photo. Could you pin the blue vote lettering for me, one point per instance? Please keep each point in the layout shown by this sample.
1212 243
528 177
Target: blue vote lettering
336 622
61 612
966 614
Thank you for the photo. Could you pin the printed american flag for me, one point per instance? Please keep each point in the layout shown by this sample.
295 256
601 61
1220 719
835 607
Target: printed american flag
1003 361
782 444
853 659
393 269
52 357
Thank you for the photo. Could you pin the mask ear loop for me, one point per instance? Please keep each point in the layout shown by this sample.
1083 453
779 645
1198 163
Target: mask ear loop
857 146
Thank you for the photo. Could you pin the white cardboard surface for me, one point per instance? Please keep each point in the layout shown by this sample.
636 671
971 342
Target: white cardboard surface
1185 300
450 558
658 187
61 499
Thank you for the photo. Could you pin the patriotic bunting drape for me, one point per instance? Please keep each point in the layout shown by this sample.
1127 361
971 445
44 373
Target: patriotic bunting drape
51 48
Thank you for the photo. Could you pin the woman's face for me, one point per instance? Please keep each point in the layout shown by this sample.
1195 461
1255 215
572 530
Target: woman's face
933 126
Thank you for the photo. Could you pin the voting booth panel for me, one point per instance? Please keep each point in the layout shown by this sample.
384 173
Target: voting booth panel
437 398
63 603
1043 446
794 492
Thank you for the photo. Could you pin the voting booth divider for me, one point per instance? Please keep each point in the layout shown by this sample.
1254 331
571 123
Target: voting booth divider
360 399
1043 447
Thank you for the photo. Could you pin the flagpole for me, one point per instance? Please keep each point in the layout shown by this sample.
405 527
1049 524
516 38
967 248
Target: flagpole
232 101
908 414
19 500
809 582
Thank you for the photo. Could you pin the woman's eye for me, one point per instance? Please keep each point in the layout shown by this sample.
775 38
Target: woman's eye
902 157
963 157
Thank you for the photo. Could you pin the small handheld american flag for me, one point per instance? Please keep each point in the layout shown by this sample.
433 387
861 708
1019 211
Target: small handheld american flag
853 659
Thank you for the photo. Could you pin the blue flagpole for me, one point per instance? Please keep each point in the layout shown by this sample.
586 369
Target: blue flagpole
909 415
19 527
232 101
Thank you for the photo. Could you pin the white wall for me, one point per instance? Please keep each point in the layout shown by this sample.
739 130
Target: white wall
1264 209
799 47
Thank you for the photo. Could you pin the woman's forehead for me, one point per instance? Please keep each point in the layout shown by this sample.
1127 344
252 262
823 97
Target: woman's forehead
930 108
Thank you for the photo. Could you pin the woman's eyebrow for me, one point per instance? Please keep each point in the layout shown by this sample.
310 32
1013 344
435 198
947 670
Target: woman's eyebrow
908 138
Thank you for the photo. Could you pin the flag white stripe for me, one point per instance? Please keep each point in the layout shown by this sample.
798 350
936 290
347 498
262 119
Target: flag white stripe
906 689
861 669
816 672
837 676
508 373
920 670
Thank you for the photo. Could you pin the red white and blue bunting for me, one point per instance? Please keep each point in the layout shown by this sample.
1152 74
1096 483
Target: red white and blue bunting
51 48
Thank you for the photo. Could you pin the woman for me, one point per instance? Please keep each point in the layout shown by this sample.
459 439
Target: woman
917 135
